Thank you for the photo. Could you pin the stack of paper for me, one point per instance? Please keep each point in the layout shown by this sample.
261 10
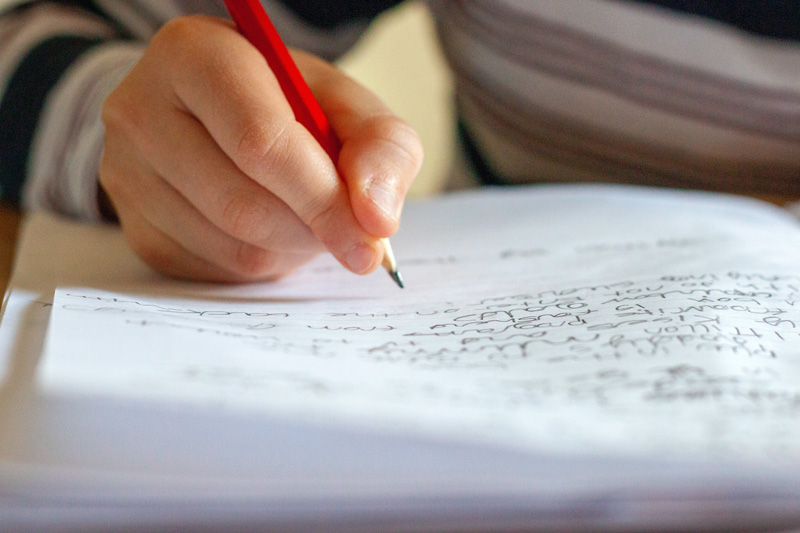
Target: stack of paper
590 358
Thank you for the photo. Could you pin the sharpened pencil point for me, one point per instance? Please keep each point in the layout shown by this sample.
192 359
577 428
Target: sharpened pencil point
397 278
390 264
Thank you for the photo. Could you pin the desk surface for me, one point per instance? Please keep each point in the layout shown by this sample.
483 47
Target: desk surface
9 224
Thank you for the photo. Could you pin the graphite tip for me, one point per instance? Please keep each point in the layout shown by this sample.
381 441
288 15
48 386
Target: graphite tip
397 278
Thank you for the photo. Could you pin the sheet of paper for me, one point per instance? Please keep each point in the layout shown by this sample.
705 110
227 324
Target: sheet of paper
485 380
616 322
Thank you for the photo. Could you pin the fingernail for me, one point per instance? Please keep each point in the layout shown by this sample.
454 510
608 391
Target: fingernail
360 258
385 197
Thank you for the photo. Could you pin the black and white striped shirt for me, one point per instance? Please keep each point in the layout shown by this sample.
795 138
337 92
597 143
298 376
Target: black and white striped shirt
700 94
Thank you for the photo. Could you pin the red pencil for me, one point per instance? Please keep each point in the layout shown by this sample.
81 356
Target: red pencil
255 25
253 22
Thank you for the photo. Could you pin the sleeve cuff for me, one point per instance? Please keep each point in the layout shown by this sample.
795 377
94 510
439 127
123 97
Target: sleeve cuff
68 142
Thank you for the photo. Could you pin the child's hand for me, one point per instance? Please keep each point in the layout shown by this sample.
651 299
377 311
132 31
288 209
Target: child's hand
213 179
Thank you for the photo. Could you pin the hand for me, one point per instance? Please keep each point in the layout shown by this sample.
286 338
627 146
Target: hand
213 179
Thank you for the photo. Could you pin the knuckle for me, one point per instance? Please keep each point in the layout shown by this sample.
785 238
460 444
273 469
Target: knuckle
252 262
254 141
242 217
319 216
175 39
262 148
178 30
186 41
399 136
118 111
123 114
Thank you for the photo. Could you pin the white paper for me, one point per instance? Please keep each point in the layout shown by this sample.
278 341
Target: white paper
177 414
547 322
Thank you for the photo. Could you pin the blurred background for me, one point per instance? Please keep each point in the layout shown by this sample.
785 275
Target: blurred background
400 60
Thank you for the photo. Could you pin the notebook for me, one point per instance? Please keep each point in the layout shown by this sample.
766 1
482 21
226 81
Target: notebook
589 357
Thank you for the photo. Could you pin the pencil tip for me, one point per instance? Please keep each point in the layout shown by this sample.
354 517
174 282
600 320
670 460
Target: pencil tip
397 278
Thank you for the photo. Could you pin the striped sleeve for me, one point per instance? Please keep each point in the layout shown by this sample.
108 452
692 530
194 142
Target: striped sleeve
58 63
671 93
